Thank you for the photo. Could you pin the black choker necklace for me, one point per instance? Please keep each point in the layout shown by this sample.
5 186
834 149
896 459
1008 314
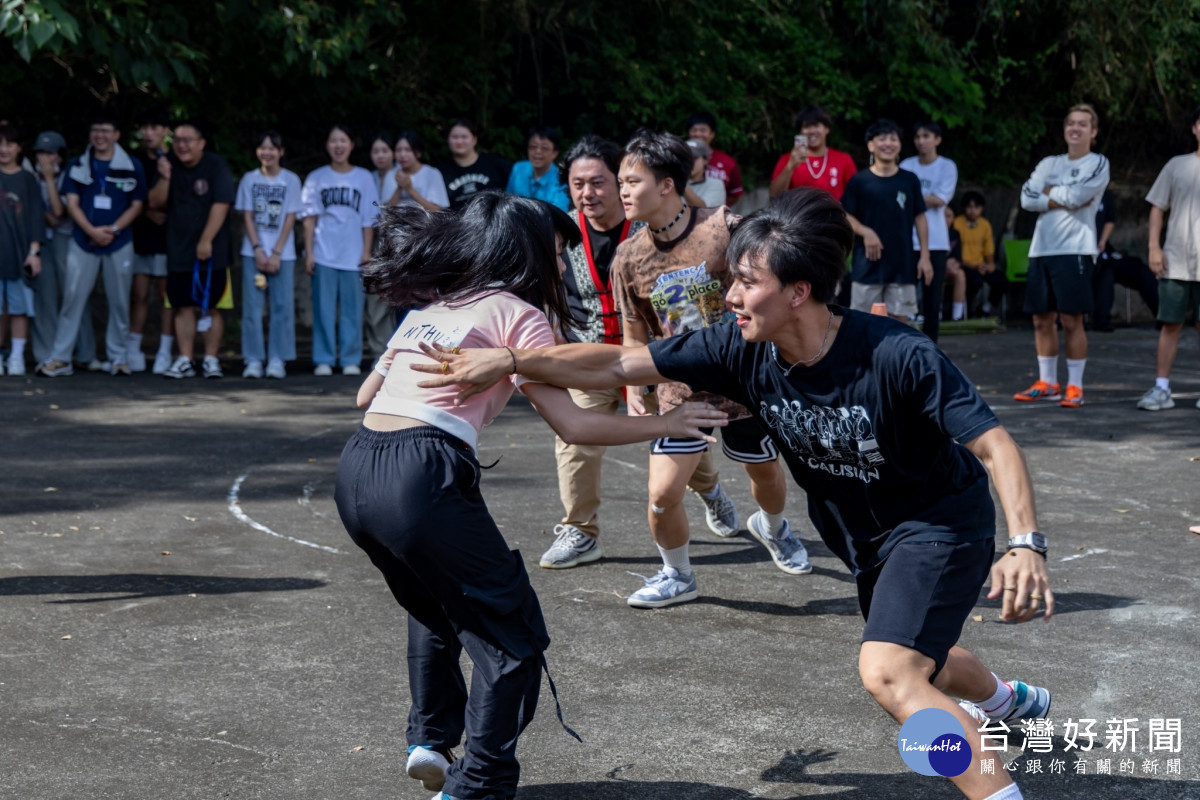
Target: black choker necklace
671 224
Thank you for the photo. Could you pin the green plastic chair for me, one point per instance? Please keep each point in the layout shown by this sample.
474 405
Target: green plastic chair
1016 259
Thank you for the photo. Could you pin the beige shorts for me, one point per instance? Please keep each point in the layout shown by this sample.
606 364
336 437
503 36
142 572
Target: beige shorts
901 298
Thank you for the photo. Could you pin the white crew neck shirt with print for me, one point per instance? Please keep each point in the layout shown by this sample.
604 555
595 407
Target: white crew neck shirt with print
1078 184
1177 190
427 181
939 177
343 203
271 199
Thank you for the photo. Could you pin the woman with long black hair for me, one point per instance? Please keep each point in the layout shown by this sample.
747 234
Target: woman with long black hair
408 481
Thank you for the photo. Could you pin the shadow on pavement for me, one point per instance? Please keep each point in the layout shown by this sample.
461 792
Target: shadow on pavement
134 585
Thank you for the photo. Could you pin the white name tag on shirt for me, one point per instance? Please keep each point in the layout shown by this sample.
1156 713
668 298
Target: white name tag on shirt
102 202
448 330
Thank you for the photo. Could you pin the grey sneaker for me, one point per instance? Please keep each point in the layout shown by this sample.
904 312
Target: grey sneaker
668 587
572 548
212 367
786 550
1156 399
720 513
182 368
55 369
427 766
253 369
1029 702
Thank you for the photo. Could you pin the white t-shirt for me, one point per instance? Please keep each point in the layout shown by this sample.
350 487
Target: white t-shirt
938 178
428 182
710 190
1078 186
1177 189
344 204
271 200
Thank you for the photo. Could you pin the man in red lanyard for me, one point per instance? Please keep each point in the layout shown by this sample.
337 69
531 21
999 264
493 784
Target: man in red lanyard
592 165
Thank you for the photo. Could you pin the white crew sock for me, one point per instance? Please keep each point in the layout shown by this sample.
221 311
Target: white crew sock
165 343
1048 368
677 557
1000 703
1075 371
18 349
1163 383
1010 792
957 310
774 522
135 341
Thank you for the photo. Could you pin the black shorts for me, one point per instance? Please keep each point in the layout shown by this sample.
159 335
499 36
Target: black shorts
921 595
742 440
186 289
1059 283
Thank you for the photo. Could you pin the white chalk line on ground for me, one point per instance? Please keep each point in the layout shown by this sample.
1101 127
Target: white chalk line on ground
125 730
1091 551
235 508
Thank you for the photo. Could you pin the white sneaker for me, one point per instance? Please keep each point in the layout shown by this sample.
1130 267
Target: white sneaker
162 363
136 360
253 369
1157 399
720 513
428 766
572 548
666 587
323 370
275 369
788 552
16 365
181 368
212 367
96 365
352 369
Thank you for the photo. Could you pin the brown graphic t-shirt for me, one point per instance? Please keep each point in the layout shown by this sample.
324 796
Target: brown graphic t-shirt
678 286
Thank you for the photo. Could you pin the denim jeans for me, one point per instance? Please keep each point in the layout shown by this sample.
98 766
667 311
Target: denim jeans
279 297
337 316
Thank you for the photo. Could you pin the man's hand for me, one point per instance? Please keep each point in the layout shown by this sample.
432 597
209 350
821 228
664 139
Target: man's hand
1020 575
686 420
45 162
101 237
1158 262
33 262
635 401
273 264
260 259
873 245
310 265
164 168
925 269
204 250
476 369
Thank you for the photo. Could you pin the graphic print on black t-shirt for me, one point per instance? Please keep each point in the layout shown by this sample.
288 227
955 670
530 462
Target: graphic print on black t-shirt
838 441
269 201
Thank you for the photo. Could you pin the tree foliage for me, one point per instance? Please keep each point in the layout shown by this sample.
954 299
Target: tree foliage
997 74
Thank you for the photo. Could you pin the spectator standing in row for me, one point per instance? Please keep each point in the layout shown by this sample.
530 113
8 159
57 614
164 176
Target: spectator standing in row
812 162
383 159
412 181
106 191
709 191
538 177
378 319
22 231
884 204
468 171
1176 261
1064 190
979 253
269 199
939 179
339 217
50 156
703 126
196 191
150 254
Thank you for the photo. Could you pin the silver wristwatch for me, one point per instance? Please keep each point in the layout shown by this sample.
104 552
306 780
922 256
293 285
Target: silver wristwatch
1030 541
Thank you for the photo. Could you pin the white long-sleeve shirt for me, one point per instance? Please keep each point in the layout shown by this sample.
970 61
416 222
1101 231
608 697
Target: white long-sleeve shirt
1078 185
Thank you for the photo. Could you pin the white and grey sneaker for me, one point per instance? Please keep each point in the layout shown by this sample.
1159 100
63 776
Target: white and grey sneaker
212 367
572 548
275 369
352 369
427 766
162 363
15 365
322 370
668 587
1157 399
720 513
786 550
181 368
253 369
137 360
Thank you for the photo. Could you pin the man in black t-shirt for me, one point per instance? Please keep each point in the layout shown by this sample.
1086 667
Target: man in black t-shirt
150 253
884 204
891 442
196 190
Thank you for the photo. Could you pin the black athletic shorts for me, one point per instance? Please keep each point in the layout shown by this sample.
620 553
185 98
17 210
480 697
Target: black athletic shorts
922 593
742 440
186 289
1059 283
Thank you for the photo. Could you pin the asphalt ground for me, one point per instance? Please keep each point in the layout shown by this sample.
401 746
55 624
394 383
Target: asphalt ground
184 616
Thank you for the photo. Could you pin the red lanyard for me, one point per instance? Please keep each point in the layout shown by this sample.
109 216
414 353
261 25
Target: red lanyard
608 311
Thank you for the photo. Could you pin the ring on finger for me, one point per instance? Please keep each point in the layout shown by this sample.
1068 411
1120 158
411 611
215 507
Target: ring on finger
445 368
1010 588
1035 597
456 349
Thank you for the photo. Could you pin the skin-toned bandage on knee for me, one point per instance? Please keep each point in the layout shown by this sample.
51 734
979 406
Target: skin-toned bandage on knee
656 509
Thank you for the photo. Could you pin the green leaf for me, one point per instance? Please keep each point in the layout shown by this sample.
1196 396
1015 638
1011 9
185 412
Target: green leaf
23 48
42 31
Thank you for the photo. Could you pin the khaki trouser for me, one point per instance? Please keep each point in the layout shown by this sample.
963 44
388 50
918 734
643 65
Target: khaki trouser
579 465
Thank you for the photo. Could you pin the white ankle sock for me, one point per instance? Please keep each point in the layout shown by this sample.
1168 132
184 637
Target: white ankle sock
1010 792
1163 383
165 344
1048 368
135 341
677 557
18 349
774 522
957 310
1075 371
1001 700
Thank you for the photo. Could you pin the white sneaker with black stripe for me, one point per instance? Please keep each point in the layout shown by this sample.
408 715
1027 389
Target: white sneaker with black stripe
572 548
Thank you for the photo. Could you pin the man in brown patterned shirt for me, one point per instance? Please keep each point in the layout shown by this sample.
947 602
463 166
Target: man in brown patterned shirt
668 278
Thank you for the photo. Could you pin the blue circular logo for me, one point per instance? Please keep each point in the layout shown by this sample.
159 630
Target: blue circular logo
932 742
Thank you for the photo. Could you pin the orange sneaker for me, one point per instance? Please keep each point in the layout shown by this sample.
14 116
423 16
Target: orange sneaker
1074 398
1039 391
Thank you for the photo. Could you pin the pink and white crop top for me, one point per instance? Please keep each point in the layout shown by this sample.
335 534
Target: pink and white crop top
495 320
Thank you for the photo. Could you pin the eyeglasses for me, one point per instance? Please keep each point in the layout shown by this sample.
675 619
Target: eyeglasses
186 139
